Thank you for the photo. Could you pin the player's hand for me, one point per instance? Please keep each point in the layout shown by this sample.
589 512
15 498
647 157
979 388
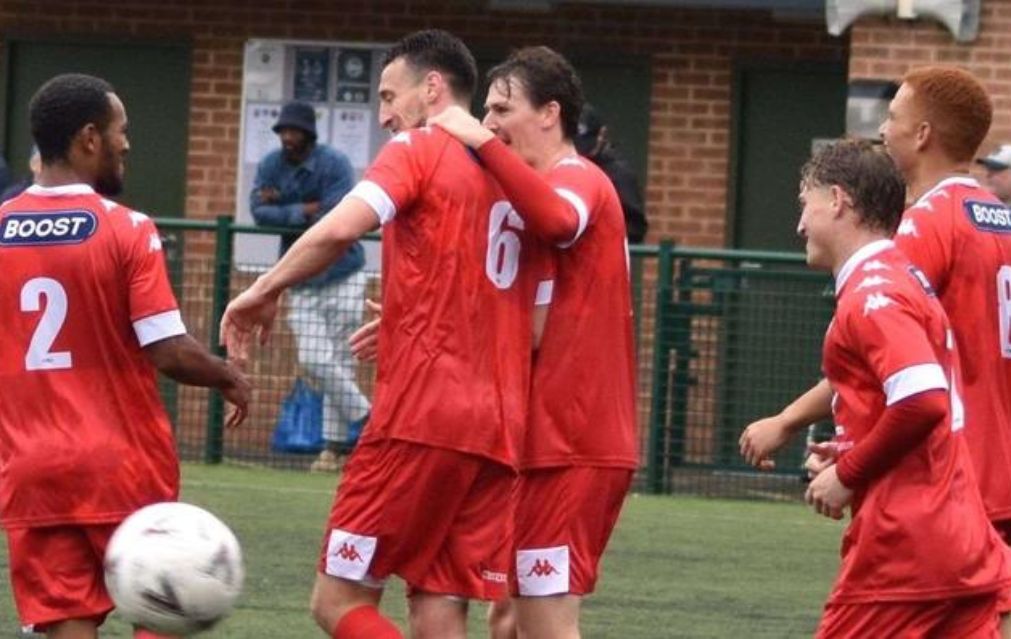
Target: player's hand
249 315
364 342
763 438
827 495
238 395
269 195
820 456
462 125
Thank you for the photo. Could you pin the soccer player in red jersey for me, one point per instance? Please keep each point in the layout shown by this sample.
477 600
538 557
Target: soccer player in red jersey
427 493
959 235
580 449
919 558
88 315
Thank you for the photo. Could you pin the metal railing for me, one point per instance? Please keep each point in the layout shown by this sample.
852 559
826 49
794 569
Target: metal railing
723 337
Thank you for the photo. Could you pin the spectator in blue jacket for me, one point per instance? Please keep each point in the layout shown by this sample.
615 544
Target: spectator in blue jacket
296 186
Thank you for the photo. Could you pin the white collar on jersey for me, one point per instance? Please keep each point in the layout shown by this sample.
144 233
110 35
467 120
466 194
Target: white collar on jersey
865 252
948 181
58 191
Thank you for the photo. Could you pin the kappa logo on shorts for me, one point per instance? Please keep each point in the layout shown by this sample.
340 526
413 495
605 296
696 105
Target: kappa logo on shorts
543 571
348 552
542 568
349 555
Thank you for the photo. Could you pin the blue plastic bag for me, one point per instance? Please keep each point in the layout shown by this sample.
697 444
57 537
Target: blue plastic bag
300 423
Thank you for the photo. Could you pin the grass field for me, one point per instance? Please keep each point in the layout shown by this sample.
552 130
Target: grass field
676 567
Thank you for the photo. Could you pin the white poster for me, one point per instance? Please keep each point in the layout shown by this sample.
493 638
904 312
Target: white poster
264 72
351 131
260 138
322 124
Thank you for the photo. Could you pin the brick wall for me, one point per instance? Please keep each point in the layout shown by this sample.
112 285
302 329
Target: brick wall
692 52
885 48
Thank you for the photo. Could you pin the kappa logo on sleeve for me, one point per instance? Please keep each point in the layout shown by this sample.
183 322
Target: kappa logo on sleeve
871 281
907 227
41 229
988 216
876 301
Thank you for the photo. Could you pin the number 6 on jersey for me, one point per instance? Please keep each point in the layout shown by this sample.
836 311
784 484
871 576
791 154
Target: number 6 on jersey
502 261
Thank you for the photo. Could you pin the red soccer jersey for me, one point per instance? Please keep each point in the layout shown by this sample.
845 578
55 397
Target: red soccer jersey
960 236
919 531
459 282
582 405
83 435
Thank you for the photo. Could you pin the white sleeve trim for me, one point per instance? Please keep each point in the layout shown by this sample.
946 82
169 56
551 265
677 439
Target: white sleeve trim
913 380
545 291
155 328
581 210
374 195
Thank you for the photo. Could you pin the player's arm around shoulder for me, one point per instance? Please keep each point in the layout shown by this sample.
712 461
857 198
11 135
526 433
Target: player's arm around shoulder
552 217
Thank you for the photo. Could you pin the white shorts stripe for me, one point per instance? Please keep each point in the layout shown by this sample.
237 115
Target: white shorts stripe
349 556
542 572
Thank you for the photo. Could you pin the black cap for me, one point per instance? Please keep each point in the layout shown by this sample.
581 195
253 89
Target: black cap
589 128
297 115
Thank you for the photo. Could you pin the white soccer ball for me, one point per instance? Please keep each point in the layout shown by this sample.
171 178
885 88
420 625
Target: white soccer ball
173 568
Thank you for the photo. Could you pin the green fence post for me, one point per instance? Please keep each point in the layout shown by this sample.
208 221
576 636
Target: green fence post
222 274
683 311
661 368
635 263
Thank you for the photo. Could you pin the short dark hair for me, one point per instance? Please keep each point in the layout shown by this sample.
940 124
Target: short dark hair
438 50
547 77
62 107
867 174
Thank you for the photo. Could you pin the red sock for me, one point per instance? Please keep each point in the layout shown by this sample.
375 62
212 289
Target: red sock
139 633
365 622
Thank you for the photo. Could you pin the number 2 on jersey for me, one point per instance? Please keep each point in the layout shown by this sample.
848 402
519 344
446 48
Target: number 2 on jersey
39 357
502 261
1004 309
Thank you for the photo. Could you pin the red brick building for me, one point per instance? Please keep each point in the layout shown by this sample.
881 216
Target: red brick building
694 56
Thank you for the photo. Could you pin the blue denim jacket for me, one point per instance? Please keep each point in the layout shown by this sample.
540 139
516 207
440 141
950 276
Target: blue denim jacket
325 176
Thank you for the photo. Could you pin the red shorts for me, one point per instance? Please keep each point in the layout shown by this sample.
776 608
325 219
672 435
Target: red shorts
973 617
564 518
438 518
57 574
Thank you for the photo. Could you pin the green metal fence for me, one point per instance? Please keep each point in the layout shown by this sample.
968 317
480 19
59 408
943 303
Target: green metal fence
723 337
